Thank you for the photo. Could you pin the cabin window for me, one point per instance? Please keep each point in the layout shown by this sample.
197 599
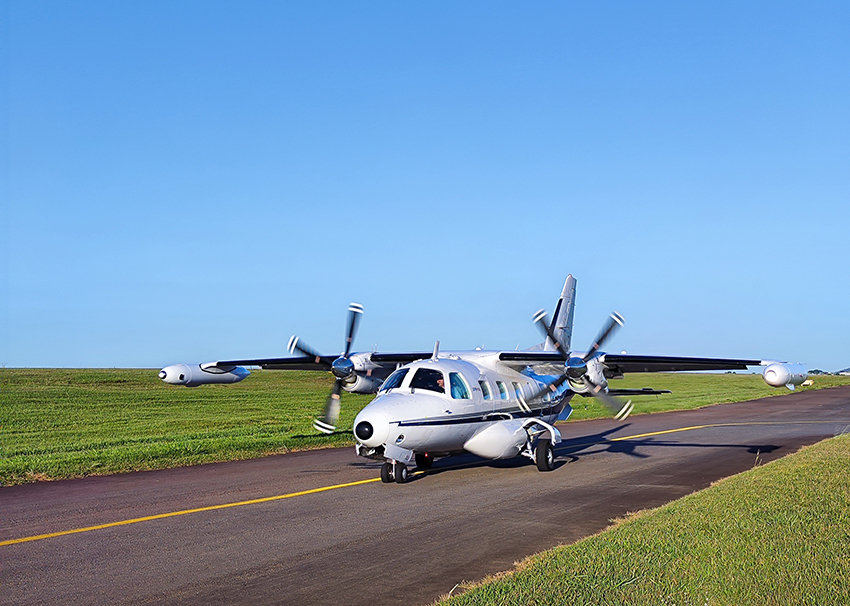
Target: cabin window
395 379
517 390
485 390
460 390
503 393
430 379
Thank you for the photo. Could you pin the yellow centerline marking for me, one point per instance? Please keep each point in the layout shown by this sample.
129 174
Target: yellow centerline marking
658 433
186 511
302 493
712 425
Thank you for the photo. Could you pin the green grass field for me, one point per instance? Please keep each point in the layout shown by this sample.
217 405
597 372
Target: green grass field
775 535
65 423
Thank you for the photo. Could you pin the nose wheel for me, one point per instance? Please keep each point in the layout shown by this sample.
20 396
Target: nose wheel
396 472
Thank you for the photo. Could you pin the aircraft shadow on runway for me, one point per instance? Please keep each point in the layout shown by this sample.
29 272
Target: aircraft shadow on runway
574 449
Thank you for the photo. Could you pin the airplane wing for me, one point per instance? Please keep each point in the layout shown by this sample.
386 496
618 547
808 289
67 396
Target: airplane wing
399 358
321 362
623 363
294 363
619 364
531 357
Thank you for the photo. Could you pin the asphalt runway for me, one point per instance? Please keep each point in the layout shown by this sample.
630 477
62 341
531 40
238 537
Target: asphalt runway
316 528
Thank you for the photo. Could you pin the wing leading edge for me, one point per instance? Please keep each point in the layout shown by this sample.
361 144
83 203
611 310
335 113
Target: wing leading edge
321 362
623 363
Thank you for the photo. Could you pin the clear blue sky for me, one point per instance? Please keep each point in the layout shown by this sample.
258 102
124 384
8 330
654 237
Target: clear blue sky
186 182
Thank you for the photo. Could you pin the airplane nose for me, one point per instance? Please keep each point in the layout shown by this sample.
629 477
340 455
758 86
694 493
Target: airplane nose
371 428
364 430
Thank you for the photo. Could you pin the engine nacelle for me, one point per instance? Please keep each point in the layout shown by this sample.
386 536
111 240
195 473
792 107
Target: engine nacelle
503 440
778 374
192 375
595 370
363 384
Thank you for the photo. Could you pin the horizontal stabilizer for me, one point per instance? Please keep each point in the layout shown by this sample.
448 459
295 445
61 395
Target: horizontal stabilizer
646 391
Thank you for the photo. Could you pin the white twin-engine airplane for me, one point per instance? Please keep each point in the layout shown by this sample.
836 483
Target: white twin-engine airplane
494 404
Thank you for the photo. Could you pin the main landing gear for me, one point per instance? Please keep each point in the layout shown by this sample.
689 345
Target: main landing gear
544 455
394 472
423 460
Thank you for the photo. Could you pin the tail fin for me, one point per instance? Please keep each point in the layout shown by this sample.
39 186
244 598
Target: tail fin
562 319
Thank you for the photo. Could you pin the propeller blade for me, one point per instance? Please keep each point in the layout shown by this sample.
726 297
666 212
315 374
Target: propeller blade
542 321
615 320
620 410
552 388
296 344
327 424
355 310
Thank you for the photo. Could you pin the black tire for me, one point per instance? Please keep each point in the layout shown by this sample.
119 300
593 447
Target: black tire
424 461
544 455
387 473
400 473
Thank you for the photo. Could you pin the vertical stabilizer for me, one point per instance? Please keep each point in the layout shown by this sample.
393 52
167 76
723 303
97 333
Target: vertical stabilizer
562 319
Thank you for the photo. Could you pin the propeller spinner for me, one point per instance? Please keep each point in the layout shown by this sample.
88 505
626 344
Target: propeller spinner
342 368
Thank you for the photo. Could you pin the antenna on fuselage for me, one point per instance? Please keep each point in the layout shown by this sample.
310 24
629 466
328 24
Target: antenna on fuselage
436 350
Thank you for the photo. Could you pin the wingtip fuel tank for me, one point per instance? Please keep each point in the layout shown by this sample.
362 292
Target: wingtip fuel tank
777 374
192 375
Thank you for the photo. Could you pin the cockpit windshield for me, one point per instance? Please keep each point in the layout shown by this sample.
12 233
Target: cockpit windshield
428 378
395 379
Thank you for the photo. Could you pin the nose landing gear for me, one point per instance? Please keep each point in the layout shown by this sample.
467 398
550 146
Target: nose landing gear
394 472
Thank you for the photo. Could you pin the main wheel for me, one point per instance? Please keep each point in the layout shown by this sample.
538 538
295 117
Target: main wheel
387 473
544 455
400 472
424 460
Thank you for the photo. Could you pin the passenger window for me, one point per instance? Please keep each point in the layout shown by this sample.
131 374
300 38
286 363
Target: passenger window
395 379
460 391
503 393
430 379
517 390
485 390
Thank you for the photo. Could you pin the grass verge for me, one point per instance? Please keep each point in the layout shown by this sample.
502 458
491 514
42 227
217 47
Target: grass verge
65 423
778 534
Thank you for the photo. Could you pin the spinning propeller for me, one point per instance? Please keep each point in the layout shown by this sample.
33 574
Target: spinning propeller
342 368
576 366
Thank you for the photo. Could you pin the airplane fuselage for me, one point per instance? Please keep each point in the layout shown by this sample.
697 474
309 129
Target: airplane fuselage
463 401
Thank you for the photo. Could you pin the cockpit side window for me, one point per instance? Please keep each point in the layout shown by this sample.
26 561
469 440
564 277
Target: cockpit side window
485 390
460 390
394 379
428 378
503 393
